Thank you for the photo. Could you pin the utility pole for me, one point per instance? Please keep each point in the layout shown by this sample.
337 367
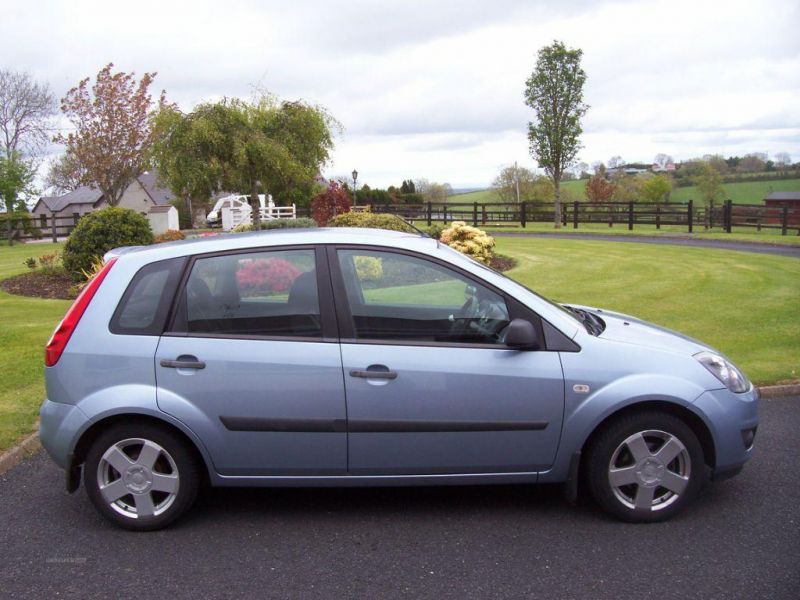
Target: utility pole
516 179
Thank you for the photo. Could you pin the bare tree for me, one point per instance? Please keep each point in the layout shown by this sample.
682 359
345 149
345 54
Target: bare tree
662 160
26 111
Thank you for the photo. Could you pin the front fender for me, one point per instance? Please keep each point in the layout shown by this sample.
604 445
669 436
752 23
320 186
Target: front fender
583 413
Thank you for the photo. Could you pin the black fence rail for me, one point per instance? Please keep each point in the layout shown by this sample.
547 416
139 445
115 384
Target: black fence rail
625 214
45 226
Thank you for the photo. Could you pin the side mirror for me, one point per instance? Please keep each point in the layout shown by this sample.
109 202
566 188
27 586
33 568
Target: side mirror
521 335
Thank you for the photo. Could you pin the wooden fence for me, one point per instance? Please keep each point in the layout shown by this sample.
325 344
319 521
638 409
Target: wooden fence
624 214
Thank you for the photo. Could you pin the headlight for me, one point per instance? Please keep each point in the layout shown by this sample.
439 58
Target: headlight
725 371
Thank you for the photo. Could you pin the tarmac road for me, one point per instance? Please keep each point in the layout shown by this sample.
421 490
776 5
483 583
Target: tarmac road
740 540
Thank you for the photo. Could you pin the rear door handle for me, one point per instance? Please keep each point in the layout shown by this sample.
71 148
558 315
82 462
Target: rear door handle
183 364
369 374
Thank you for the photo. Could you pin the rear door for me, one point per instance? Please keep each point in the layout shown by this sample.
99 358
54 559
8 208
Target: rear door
252 364
431 387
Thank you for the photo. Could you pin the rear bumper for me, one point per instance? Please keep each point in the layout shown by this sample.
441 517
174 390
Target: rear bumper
59 424
731 418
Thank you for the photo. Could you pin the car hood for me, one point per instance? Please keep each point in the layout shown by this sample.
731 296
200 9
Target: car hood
630 330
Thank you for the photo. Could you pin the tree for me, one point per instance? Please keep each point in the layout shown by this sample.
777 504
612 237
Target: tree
532 187
718 162
783 161
112 130
432 191
752 163
656 188
599 189
627 188
709 184
65 174
615 162
662 160
16 178
555 92
26 112
252 147
327 204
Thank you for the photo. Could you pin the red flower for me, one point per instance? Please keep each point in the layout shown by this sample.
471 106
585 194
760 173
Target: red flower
267 275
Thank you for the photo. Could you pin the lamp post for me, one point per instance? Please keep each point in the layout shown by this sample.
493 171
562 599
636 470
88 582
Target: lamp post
355 185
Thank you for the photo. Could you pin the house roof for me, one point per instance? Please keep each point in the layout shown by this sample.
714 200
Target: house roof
783 196
161 209
82 195
160 195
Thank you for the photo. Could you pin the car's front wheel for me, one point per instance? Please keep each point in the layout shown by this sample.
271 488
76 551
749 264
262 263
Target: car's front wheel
645 466
141 477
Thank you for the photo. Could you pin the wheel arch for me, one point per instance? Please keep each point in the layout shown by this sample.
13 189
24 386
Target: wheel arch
692 420
88 436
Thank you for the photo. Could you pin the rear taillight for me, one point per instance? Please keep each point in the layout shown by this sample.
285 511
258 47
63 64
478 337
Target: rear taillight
58 341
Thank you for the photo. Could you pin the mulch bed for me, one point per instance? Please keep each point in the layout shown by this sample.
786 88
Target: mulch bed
40 285
502 263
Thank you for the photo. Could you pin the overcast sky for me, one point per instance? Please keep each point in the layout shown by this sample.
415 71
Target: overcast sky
434 88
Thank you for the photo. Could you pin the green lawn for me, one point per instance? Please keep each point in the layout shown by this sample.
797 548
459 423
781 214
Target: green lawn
27 324
747 305
746 192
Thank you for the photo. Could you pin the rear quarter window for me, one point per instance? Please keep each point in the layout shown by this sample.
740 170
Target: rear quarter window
144 307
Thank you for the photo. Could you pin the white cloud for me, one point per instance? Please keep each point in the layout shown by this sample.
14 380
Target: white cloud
435 89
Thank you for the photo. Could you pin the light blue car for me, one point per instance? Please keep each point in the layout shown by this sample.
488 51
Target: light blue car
353 357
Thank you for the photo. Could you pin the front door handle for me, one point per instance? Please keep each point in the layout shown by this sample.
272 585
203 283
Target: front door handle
183 363
374 374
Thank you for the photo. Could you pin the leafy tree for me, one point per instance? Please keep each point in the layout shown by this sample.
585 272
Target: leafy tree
656 188
432 191
250 147
752 163
112 130
716 161
709 184
627 188
16 178
333 201
555 92
599 189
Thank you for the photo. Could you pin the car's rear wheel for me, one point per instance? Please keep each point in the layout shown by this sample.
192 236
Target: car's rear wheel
645 466
141 477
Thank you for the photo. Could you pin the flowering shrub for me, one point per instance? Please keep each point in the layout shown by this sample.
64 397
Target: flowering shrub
333 201
469 240
170 235
368 268
266 275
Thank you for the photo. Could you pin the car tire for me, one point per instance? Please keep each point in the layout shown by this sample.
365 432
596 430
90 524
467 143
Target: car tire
645 466
140 476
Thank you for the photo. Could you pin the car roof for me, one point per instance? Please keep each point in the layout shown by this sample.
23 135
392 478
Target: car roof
204 244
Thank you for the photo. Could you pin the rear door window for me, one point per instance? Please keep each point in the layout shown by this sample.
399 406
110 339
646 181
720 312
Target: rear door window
265 293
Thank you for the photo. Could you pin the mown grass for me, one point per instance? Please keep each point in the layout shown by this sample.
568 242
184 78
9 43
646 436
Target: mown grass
26 325
745 192
744 304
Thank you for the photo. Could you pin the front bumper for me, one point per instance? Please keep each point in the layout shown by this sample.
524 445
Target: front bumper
730 417
59 426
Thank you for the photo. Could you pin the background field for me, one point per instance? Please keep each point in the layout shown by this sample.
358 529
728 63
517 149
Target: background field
748 192
744 304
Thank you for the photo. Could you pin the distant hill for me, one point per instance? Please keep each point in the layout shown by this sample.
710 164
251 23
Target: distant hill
748 192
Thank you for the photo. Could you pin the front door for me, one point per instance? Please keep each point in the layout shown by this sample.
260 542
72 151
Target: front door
252 366
431 387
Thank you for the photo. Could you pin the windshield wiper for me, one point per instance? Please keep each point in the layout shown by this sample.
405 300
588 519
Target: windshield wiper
593 324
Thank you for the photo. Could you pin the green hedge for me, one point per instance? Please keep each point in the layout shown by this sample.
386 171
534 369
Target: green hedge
301 223
371 220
